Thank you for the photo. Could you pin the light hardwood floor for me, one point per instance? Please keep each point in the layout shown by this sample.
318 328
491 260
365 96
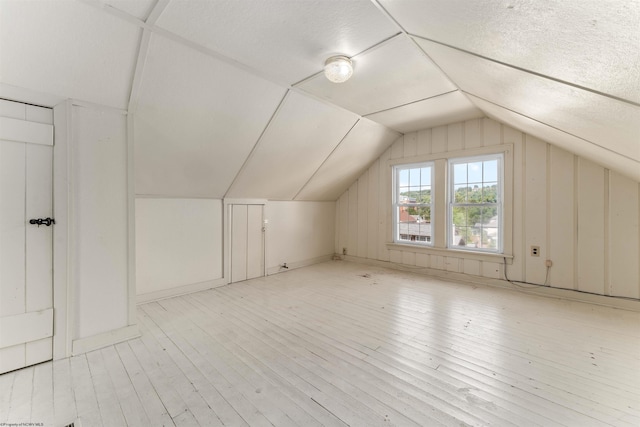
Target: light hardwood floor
347 344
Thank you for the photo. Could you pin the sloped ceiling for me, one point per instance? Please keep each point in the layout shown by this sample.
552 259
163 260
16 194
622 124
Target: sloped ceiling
228 98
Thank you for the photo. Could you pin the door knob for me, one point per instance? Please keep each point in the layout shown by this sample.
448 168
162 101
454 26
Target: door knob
46 221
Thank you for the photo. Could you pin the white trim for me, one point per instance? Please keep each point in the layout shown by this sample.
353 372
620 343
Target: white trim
180 290
299 264
28 96
95 342
136 83
131 226
471 152
95 106
26 131
62 198
544 291
26 327
455 253
228 201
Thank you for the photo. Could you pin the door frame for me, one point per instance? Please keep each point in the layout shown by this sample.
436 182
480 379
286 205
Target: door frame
62 198
226 235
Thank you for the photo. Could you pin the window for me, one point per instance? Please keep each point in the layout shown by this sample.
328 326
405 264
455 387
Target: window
475 203
412 201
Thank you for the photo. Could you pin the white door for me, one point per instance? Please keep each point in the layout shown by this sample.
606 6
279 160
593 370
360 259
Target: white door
247 242
26 250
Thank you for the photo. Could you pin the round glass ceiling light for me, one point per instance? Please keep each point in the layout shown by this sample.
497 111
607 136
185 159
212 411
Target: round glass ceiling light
338 69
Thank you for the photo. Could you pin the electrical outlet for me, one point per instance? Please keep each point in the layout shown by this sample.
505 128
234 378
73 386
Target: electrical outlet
535 250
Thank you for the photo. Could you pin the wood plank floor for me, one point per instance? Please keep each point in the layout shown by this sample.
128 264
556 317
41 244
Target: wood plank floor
346 344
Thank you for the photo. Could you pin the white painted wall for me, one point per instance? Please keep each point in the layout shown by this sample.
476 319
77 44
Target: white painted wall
298 233
585 218
98 221
178 245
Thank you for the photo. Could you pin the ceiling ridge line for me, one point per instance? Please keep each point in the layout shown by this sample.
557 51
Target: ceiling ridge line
412 102
255 146
156 11
388 15
535 73
98 4
552 127
326 159
411 39
141 61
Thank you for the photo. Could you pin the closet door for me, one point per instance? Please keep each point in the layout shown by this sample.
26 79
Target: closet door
247 242
26 237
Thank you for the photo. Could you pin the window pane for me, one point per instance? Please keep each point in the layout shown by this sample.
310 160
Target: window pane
490 173
459 215
414 177
461 237
425 174
403 178
403 196
460 173
490 192
460 195
475 172
414 194
425 196
489 238
425 213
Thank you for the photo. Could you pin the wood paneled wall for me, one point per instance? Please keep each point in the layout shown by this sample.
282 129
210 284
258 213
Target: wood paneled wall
585 218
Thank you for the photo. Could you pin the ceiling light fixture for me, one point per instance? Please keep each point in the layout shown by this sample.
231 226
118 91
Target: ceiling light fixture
338 69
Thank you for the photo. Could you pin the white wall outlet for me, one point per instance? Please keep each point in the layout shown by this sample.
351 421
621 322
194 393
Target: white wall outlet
535 250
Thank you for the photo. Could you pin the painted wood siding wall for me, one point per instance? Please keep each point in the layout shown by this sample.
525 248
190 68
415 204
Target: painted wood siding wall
585 218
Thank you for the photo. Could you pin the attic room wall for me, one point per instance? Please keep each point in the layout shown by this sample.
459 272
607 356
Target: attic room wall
98 223
585 218
178 245
299 233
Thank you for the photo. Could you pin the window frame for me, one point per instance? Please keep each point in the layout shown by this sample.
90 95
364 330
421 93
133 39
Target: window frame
500 201
396 205
439 252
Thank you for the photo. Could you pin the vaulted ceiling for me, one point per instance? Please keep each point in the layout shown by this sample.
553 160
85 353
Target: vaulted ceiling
229 100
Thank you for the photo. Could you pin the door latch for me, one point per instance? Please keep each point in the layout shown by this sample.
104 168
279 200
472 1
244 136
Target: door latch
46 221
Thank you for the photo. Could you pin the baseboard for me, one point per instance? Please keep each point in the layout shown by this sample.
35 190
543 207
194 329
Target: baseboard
545 291
180 290
298 264
104 339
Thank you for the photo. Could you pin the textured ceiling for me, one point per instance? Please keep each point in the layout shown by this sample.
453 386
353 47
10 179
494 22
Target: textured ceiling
228 98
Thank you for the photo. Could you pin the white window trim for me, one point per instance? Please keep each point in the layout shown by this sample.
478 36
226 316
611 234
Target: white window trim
450 196
439 203
395 173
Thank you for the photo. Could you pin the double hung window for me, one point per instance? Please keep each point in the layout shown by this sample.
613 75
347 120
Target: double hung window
413 203
475 203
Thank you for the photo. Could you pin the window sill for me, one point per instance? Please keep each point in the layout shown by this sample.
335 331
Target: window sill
456 253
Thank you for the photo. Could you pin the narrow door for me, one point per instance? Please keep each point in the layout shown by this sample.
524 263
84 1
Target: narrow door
247 242
26 249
